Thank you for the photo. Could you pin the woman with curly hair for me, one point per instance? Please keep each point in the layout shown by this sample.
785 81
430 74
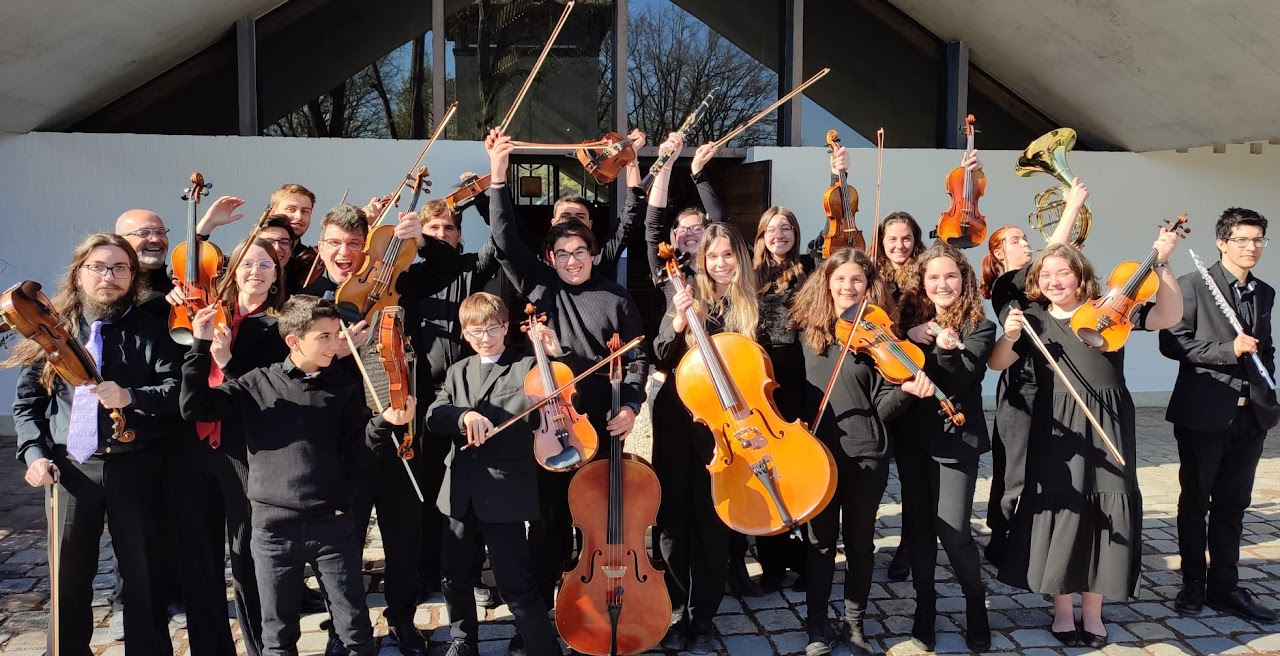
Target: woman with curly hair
937 460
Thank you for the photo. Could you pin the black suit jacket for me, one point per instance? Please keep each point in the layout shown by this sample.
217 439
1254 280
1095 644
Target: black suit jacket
499 478
1210 375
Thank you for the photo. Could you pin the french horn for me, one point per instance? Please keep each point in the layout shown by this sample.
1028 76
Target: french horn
1048 154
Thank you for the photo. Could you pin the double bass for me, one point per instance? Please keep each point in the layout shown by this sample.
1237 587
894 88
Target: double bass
25 308
196 266
768 476
564 439
841 204
1105 323
615 601
962 225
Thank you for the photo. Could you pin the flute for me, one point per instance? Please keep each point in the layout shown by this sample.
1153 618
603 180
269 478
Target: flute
1230 312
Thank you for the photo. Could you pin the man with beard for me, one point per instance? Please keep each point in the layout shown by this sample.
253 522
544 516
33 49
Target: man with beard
146 233
384 483
65 435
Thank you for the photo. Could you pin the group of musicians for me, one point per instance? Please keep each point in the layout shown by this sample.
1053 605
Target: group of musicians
256 437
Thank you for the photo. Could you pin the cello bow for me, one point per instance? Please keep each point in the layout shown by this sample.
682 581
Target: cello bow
768 110
875 229
528 82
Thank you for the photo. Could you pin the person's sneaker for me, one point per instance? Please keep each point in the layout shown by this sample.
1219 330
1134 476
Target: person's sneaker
821 639
487 597
177 616
335 646
701 642
1190 600
460 647
115 628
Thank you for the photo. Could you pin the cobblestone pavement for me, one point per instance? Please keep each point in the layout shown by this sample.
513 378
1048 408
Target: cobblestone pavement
772 624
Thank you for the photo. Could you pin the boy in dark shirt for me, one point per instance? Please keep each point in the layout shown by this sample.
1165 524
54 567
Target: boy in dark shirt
304 421
491 489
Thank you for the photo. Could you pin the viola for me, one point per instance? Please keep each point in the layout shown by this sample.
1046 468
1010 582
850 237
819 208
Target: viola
196 266
768 475
898 360
464 192
1105 323
25 308
841 204
615 601
565 439
962 225
373 286
393 355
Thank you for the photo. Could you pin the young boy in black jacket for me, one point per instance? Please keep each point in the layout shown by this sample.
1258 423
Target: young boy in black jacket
491 489
305 421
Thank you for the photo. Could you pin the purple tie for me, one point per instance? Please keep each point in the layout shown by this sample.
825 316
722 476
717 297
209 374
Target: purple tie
82 434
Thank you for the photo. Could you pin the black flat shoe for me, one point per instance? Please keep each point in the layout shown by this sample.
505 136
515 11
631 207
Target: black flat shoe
900 566
1190 600
677 638
1242 604
408 639
1068 638
1092 640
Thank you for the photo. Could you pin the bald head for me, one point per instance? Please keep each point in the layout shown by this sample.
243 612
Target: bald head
145 231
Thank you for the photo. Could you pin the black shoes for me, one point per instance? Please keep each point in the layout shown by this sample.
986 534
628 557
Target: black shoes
923 630
1190 601
701 642
515 646
900 566
821 639
1068 638
977 634
1240 602
740 582
334 647
487 597
408 640
851 633
461 647
677 638
1092 640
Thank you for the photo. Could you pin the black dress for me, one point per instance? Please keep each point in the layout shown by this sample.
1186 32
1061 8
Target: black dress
1015 396
1078 526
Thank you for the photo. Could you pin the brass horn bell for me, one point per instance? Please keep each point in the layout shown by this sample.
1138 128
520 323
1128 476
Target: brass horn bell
1048 154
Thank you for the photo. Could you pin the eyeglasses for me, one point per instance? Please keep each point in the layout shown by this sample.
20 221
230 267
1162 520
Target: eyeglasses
1241 242
692 229
335 244
261 265
113 271
781 230
492 331
581 255
145 233
282 243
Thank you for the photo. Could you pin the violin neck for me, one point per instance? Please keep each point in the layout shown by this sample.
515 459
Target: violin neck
1134 283
193 242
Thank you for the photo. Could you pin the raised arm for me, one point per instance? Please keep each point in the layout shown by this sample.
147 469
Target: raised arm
518 260
1168 307
1075 197
710 201
655 219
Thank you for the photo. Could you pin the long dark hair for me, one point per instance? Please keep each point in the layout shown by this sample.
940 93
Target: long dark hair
68 302
813 312
787 270
964 314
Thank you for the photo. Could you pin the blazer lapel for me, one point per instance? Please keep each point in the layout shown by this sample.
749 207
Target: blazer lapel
498 368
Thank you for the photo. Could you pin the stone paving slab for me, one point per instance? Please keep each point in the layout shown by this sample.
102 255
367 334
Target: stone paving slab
772 624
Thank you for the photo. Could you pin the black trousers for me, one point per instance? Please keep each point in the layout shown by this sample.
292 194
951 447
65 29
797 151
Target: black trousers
213 509
860 485
937 502
1216 475
509 555
125 492
1010 436
551 537
384 484
692 538
331 545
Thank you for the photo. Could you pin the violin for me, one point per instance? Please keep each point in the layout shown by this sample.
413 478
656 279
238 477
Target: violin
393 354
1105 323
565 439
615 601
962 225
196 266
606 158
768 475
25 308
841 204
373 286
898 360
466 191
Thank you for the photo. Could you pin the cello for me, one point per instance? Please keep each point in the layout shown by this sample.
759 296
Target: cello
615 601
1105 323
196 266
841 205
768 476
564 439
25 308
962 225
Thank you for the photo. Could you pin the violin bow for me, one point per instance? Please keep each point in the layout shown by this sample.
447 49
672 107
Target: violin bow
435 134
55 564
875 229
377 402
826 395
528 82
560 390
767 110
1035 339
343 200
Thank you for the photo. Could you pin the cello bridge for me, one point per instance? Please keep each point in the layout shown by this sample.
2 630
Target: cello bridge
614 571
750 438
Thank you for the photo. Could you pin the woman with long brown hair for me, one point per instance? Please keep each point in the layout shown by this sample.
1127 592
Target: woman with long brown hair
937 460
852 427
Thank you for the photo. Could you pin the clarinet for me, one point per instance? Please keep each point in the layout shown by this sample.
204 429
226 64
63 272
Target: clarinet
1230 312
690 124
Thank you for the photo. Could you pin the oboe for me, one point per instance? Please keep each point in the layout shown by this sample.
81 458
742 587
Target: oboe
690 124
1230 312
